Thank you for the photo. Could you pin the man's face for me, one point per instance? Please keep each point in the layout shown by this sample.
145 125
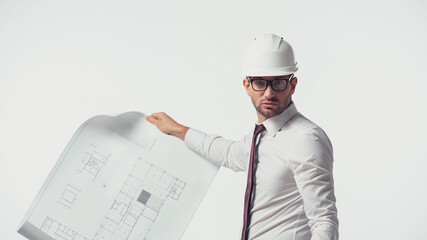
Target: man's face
270 103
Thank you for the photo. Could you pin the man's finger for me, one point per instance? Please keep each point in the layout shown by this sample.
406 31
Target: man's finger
151 119
158 115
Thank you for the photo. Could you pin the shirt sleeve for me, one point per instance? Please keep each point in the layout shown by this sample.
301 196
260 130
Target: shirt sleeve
311 162
218 150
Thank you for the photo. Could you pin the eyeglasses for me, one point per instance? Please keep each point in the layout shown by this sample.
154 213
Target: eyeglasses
259 84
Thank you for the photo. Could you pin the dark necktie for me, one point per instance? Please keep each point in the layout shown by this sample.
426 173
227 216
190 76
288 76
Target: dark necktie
249 186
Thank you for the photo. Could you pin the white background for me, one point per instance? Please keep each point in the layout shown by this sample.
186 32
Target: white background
362 78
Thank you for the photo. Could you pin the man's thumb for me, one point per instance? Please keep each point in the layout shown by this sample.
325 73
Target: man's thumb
151 119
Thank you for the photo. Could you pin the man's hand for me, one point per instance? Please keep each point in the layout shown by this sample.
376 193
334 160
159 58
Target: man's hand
167 125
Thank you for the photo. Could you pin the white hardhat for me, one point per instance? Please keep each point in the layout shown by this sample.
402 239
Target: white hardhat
269 55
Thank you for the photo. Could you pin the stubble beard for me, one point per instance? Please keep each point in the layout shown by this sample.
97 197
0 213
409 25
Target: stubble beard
271 112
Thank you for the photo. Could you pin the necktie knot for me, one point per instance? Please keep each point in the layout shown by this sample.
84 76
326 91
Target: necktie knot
258 129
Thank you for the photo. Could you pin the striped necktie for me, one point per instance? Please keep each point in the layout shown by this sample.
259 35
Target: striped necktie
250 184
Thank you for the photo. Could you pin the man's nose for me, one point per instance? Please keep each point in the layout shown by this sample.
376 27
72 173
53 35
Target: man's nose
269 92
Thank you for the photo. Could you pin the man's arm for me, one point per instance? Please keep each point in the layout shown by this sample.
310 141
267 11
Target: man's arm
218 150
311 162
167 125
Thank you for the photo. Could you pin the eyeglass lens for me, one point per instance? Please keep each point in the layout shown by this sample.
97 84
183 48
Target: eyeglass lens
261 85
276 84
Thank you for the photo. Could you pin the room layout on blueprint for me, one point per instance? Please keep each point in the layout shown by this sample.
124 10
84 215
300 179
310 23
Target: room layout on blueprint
119 178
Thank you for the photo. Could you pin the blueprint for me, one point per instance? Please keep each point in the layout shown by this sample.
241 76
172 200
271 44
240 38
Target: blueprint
119 178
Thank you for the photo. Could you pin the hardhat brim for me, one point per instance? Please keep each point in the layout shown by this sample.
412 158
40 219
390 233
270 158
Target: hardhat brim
283 71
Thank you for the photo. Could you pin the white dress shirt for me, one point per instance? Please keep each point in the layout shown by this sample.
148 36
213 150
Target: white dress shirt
294 192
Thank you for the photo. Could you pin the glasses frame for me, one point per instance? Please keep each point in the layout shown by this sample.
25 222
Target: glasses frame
270 82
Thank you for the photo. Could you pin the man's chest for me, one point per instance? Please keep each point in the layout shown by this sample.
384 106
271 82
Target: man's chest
271 170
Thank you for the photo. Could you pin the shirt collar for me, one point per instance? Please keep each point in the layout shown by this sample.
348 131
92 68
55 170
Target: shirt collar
274 124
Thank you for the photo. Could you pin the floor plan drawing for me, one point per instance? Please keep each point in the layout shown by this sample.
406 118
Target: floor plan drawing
93 161
119 178
59 231
140 200
68 196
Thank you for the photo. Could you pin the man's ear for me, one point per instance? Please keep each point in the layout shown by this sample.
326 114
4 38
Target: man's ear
246 85
293 84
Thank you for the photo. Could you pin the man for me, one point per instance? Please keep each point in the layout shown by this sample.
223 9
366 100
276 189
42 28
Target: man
290 190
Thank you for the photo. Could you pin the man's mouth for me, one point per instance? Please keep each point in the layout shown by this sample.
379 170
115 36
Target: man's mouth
269 104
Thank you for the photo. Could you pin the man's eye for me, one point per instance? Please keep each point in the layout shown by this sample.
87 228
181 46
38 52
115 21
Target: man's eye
259 83
279 83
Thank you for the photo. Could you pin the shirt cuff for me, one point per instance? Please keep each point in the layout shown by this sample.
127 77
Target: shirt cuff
193 139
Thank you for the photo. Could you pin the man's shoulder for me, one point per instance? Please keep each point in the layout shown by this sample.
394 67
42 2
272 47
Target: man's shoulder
299 125
305 137
302 124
